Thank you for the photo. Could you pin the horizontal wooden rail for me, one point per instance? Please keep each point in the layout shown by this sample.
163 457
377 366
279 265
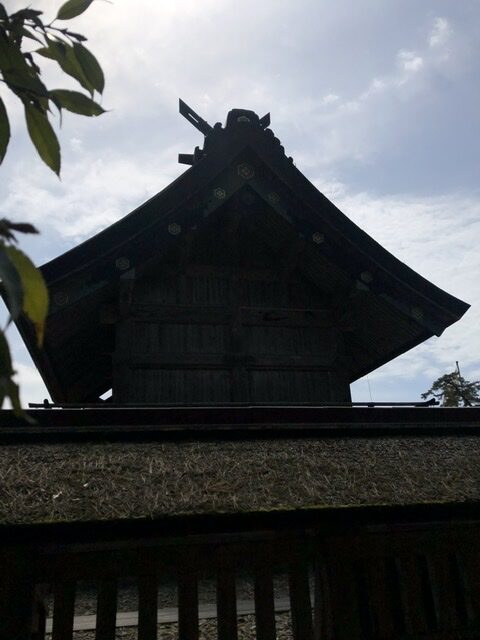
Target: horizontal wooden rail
235 423
260 524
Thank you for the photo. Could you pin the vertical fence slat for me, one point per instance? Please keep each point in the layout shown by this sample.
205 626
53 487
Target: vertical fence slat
106 610
63 610
322 619
226 604
378 589
343 595
443 586
409 572
471 563
188 604
147 607
264 603
301 606
16 595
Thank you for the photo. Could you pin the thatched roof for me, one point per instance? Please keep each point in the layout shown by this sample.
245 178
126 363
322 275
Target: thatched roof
85 481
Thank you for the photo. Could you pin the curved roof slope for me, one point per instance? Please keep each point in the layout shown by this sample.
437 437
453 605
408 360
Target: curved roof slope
385 307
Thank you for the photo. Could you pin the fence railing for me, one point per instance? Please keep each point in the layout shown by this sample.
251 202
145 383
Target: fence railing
383 582
174 424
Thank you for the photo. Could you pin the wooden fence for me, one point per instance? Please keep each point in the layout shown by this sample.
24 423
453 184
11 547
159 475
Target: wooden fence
384 582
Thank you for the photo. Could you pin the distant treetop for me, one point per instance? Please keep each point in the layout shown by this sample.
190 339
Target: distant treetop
452 390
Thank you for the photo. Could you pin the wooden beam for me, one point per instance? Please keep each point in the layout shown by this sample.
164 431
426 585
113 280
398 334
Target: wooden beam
181 314
248 316
255 316
223 361
243 272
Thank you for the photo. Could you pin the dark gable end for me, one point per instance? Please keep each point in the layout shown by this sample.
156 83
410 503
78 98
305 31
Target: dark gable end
244 218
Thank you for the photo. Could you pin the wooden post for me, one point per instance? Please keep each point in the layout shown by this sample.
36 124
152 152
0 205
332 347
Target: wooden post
322 621
147 607
264 603
106 610
226 604
301 607
188 628
63 610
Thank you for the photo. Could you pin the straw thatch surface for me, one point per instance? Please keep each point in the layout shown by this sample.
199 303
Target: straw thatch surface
44 483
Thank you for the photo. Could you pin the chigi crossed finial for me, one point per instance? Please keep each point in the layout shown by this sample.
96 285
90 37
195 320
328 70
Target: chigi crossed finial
234 117
198 122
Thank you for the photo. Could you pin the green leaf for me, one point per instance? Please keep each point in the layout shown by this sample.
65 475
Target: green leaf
48 52
29 34
76 102
10 53
22 227
13 394
72 67
11 283
72 9
8 388
64 54
6 369
90 67
4 130
26 14
76 36
16 72
43 137
35 293
25 84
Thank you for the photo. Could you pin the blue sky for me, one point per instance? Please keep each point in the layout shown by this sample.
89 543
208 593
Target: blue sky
377 102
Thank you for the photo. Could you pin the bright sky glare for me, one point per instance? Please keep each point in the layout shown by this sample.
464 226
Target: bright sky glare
377 102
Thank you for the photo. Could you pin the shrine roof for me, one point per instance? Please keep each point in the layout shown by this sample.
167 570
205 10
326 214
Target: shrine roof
390 307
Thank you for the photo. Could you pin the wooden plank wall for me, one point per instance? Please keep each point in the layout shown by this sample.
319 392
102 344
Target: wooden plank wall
214 334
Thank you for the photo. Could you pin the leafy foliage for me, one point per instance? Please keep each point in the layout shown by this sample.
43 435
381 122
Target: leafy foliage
22 283
20 72
452 390
26 293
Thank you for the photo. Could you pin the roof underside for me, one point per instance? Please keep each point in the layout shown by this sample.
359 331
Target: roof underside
384 307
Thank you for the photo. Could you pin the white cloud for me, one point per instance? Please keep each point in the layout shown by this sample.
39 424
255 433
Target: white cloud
440 33
95 192
360 126
76 144
330 98
409 61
